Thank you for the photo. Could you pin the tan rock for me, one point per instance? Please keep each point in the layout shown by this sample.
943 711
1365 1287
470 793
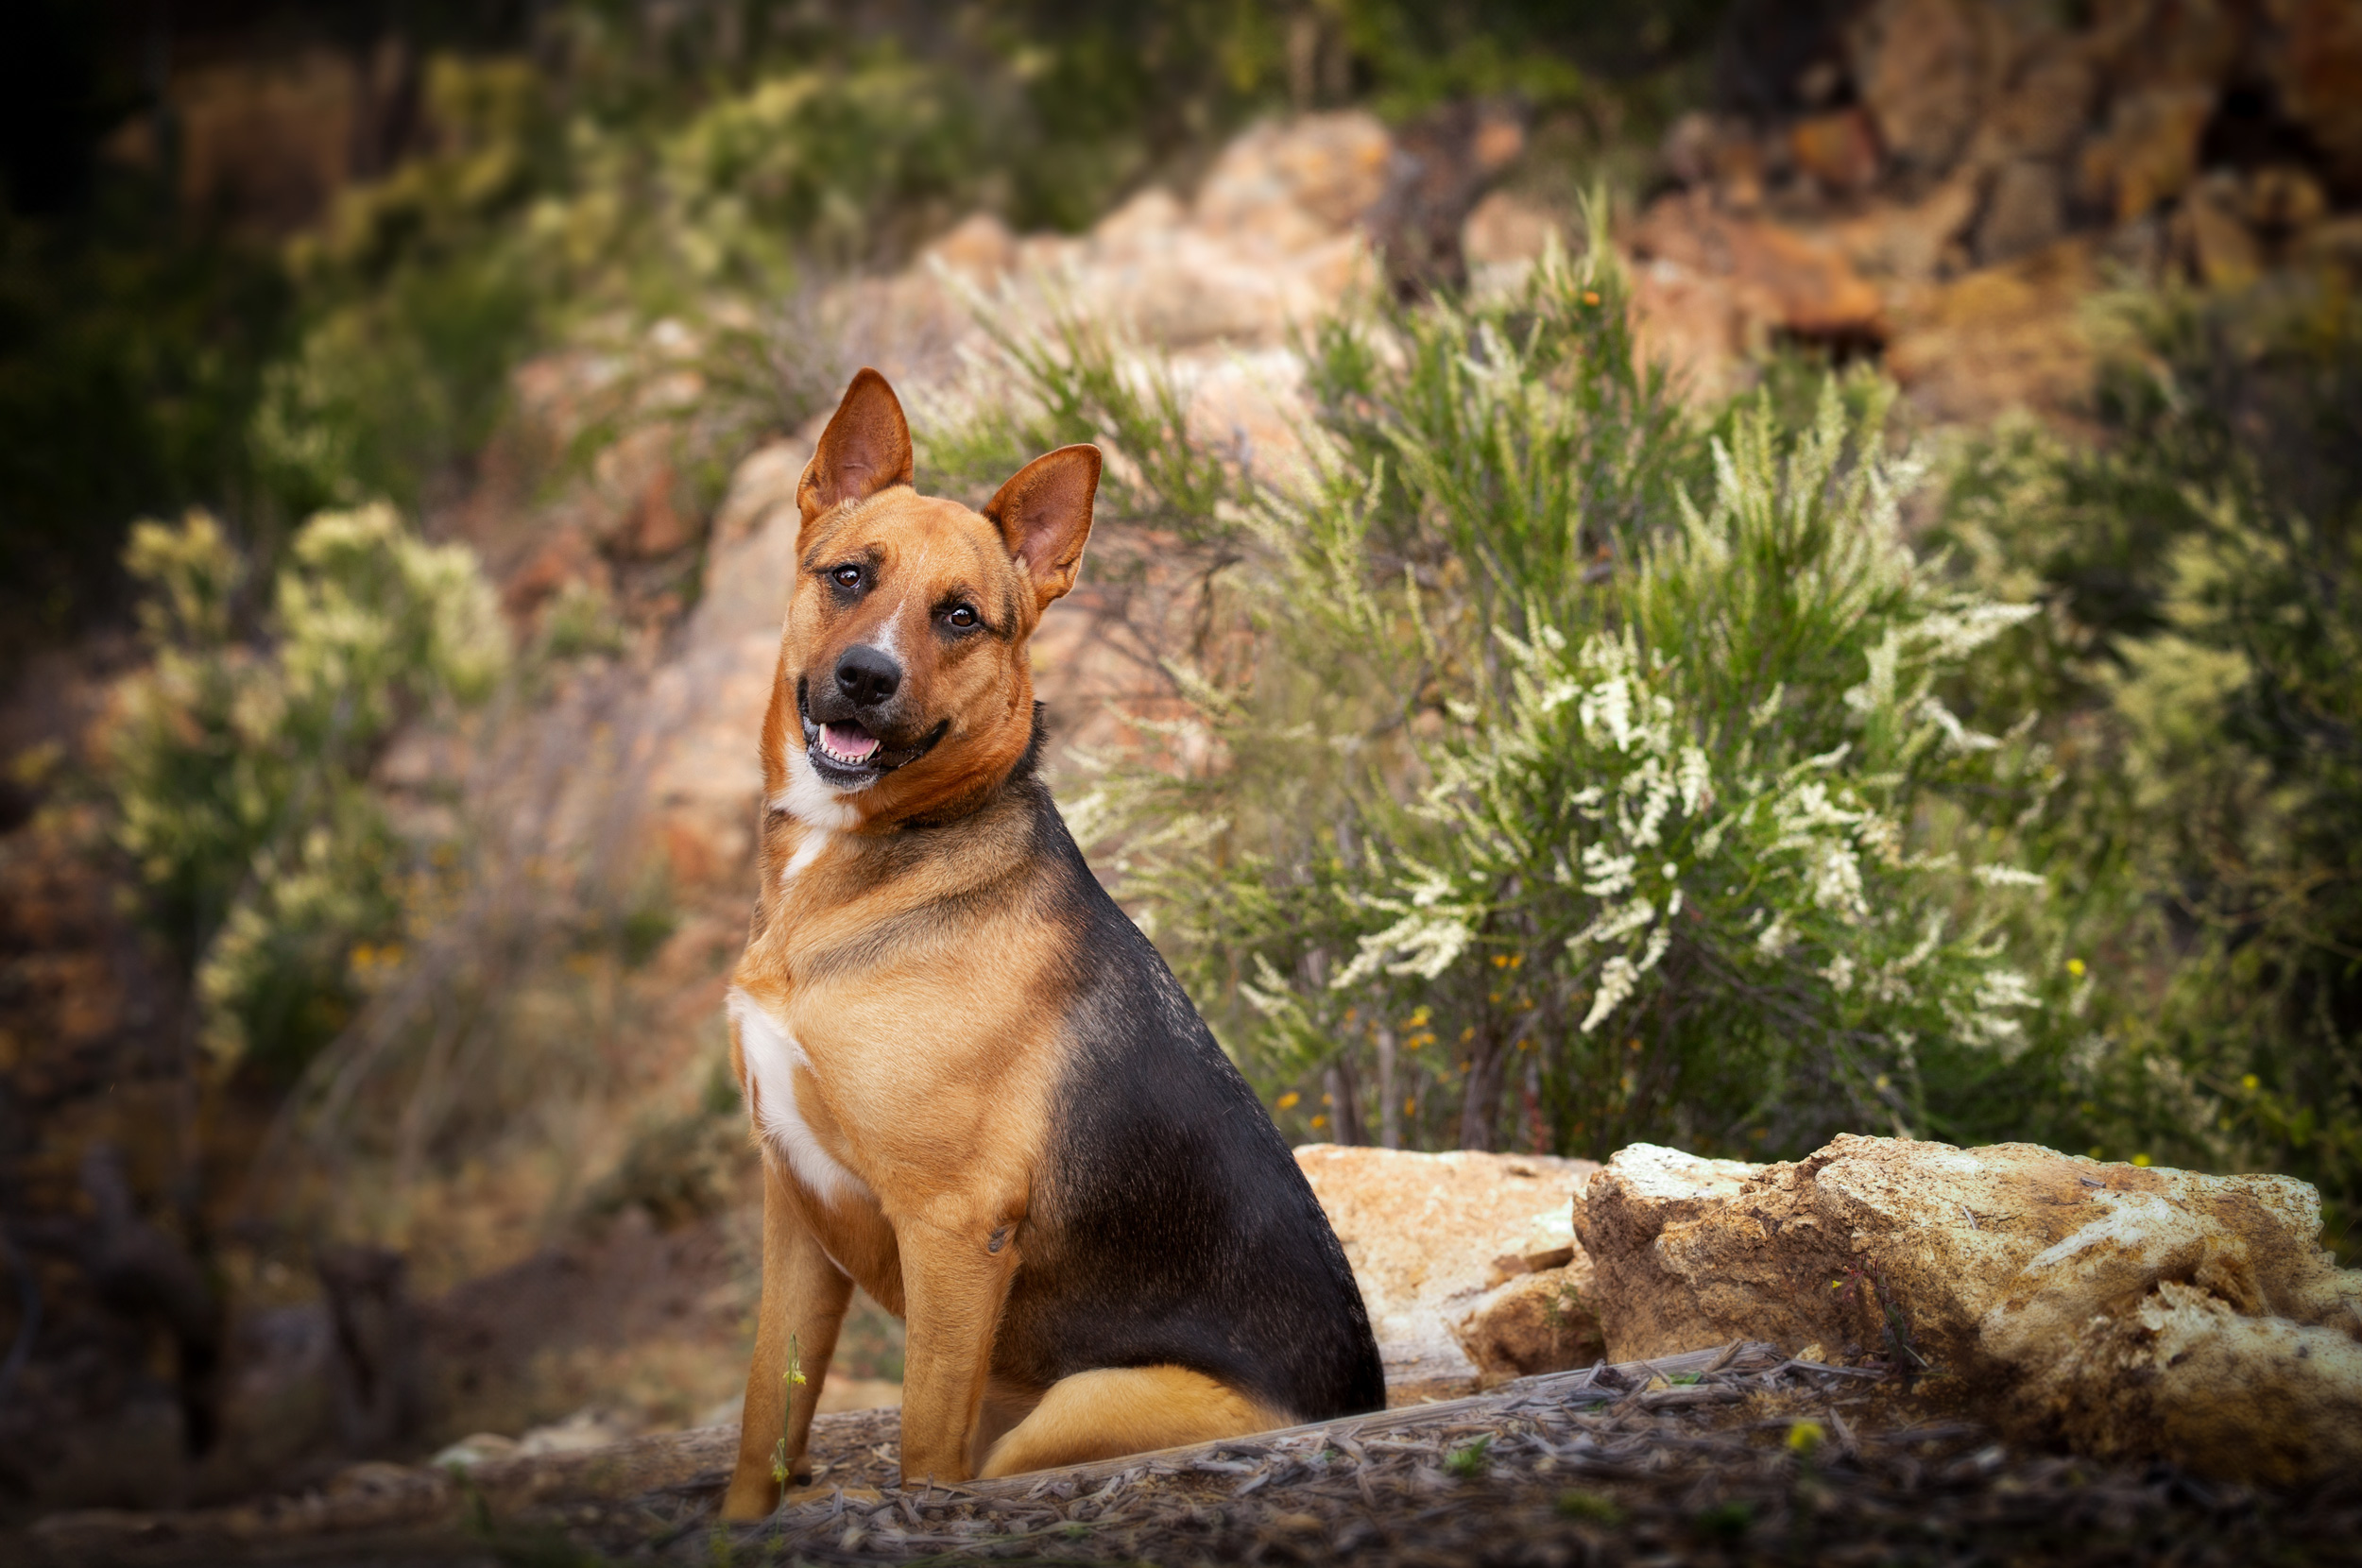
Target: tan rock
2001 337
2149 152
2334 246
1841 151
2186 1376
1923 68
1286 186
2212 232
1697 147
2282 202
1910 241
1783 278
1711 288
1504 235
2026 210
1535 1322
1143 224
981 248
1247 408
1693 325
2147 44
704 706
2046 112
2322 87
2129 1311
1462 1259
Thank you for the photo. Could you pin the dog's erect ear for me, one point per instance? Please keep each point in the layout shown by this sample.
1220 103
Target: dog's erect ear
1044 516
865 449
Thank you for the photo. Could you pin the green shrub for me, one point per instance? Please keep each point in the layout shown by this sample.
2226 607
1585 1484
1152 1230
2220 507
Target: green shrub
1085 379
240 768
1539 777
2200 664
130 360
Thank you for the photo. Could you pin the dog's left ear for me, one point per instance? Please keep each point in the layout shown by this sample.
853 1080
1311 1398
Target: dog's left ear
1044 516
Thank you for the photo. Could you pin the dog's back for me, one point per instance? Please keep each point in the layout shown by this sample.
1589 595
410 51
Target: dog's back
1173 1226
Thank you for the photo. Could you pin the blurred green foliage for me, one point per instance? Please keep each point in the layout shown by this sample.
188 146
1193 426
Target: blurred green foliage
127 363
1091 383
241 772
2199 667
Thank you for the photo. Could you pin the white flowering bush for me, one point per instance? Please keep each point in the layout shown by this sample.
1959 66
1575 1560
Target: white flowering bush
1686 850
1592 777
240 768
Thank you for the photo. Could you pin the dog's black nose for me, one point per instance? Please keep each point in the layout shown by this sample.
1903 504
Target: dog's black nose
867 676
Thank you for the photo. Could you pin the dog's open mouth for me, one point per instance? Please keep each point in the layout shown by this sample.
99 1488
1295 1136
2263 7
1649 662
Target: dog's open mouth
849 745
846 754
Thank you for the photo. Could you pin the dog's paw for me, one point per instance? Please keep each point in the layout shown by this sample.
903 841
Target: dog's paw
750 1500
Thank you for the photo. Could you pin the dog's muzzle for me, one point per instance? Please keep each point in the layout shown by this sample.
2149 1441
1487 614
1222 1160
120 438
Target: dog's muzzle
849 730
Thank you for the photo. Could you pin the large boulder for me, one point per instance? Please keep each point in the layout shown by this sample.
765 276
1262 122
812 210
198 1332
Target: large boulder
1785 278
2129 1311
1466 1262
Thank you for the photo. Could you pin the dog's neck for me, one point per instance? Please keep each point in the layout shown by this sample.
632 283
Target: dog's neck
1027 765
861 854
821 884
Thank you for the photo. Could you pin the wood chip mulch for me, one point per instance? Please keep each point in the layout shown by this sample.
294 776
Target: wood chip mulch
1731 1457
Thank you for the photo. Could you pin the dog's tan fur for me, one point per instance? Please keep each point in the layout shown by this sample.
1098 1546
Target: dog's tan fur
930 1044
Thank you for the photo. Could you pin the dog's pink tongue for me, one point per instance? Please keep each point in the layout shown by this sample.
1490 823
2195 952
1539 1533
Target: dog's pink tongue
854 743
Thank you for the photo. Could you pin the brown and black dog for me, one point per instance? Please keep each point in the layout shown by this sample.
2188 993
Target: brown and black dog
978 1091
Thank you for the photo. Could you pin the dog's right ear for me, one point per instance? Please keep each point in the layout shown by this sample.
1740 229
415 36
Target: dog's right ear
865 449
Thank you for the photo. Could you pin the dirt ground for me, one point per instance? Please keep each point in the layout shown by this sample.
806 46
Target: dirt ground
1755 1461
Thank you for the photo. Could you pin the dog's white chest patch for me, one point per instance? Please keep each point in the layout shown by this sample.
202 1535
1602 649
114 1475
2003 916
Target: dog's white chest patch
809 800
816 841
773 1057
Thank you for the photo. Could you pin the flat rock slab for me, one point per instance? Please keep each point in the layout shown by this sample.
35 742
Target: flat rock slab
1466 1261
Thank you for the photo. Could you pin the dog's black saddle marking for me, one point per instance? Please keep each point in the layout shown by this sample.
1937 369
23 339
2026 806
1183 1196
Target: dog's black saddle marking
1171 1225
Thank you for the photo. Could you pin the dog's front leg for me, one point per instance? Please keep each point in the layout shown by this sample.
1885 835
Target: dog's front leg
804 1297
957 1267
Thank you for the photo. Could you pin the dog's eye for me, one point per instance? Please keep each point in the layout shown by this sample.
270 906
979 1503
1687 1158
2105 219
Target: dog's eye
846 576
962 616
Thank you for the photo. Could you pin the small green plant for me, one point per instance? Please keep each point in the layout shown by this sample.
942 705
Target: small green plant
1726 1522
794 1379
1560 1309
1593 1508
1470 1460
